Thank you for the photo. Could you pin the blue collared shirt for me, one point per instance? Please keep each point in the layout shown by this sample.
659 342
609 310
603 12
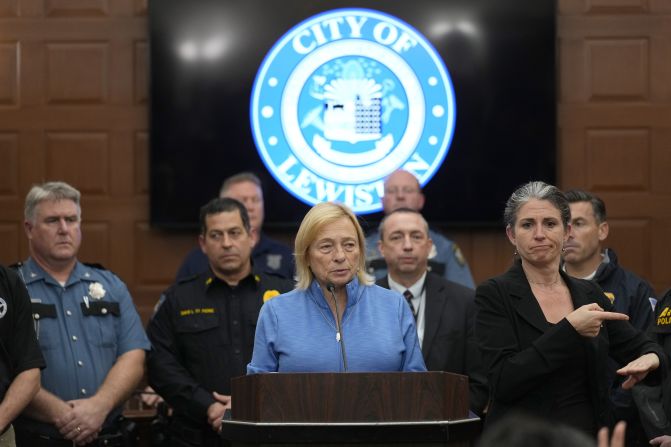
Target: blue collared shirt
80 349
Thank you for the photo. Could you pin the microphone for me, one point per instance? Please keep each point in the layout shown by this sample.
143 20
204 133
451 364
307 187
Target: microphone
331 288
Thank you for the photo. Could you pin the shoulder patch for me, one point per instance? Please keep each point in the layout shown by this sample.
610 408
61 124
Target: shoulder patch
664 318
270 294
274 261
158 304
459 256
610 296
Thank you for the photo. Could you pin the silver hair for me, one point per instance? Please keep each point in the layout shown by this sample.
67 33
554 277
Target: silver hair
240 178
539 191
51 191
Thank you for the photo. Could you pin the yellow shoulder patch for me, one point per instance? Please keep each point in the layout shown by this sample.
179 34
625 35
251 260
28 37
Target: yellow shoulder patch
664 318
208 281
269 294
257 278
610 296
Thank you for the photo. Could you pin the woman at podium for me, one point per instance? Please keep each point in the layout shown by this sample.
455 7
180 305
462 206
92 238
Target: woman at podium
336 319
545 336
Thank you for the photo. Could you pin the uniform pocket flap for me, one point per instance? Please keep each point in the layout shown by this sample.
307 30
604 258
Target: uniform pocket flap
101 308
41 310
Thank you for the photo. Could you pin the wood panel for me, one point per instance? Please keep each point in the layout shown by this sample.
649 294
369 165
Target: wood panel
73 105
9 75
9 160
615 121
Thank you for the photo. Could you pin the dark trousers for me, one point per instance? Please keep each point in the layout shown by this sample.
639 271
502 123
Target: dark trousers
30 439
184 434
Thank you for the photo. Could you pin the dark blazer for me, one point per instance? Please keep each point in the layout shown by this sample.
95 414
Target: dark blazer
449 342
521 350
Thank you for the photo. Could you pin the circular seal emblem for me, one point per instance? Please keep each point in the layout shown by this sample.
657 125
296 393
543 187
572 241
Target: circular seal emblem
3 307
345 98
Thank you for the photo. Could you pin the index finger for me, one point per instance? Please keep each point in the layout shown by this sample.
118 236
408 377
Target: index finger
612 316
223 398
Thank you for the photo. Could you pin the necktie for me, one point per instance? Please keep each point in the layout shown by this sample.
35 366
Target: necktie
408 297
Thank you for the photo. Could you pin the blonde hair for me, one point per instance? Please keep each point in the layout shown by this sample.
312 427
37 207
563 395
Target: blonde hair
317 218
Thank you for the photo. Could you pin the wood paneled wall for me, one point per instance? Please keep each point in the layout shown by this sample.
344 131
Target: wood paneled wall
73 106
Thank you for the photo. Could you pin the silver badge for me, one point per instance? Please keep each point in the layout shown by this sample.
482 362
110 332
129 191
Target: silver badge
3 307
274 261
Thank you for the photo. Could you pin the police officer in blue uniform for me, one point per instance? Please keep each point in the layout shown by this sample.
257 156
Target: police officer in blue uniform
20 356
89 331
268 256
402 190
202 333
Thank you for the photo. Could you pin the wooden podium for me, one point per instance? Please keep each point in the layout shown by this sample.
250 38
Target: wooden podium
429 408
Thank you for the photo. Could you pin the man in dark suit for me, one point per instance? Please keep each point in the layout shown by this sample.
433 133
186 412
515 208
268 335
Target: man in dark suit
444 310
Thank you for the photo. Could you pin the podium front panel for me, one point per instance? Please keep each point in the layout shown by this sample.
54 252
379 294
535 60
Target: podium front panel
350 397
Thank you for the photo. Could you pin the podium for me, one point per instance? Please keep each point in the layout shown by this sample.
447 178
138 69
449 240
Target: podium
398 408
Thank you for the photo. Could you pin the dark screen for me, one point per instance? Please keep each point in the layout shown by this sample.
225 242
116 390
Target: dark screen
500 56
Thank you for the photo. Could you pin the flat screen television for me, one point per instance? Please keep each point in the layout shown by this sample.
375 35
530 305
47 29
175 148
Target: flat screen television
212 80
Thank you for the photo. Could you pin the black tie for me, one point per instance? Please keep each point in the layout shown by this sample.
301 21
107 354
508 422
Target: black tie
408 297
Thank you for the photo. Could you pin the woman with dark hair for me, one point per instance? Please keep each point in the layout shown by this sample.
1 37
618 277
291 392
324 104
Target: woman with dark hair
545 336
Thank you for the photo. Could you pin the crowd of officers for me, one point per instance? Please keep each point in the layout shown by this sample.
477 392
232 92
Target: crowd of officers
73 349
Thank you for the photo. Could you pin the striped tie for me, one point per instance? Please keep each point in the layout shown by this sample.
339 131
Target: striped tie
408 297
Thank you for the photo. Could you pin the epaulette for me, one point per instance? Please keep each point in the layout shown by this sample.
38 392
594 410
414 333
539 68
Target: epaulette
272 279
187 278
95 265
16 265
270 274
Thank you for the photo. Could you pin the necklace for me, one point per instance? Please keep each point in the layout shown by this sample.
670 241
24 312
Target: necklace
546 284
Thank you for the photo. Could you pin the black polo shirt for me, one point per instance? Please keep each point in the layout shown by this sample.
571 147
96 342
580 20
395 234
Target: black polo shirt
202 335
19 350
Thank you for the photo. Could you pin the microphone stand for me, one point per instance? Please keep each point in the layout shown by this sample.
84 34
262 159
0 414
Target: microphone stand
331 288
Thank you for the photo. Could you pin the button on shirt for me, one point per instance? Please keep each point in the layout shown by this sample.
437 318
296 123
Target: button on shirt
80 349
418 301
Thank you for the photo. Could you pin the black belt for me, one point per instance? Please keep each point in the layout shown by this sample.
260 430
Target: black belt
32 439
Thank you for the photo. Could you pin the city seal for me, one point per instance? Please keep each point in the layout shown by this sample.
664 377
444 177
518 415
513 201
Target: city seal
345 98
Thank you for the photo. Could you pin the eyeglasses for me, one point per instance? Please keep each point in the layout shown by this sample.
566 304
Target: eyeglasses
393 190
